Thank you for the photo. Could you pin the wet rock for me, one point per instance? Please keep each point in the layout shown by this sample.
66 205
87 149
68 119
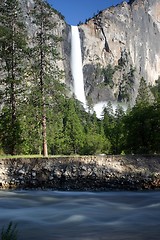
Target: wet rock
33 174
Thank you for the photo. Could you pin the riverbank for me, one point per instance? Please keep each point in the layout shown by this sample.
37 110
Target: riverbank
81 173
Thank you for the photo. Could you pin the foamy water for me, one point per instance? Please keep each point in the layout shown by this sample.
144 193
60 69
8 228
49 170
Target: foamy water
82 215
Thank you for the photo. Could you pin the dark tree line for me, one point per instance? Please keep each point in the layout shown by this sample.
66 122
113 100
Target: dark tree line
28 84
12 54
36 116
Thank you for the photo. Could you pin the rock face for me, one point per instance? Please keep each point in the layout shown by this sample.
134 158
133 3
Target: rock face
61 30
121 45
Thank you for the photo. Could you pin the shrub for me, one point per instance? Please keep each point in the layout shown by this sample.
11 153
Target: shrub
9 233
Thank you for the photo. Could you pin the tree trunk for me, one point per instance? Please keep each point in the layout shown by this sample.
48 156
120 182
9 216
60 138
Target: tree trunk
12 95
44 132
44 135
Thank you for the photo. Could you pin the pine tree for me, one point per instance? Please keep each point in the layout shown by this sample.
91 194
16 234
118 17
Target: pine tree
95 140
108 120
73 130
138 124
12 54
46 72
156 90
117 132
144 95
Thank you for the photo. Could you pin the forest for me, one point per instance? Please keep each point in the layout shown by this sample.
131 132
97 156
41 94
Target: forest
38 116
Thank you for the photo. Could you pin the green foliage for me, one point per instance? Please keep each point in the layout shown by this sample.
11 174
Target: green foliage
144 94
142 127
73 130
10 134
95 140
46 77
118 131
156 89
96 144
126 81
126 85
12 55
31 133
108 120
113 127
108 75
142 124
35 108
10 233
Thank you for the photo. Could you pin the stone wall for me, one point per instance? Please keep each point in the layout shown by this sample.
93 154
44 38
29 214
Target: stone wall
94 173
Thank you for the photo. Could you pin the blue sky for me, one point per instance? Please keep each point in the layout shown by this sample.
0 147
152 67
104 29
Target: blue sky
75 11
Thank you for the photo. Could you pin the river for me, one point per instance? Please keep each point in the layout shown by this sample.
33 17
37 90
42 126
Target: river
53 215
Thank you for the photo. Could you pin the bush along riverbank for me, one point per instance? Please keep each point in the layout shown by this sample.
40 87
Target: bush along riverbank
9 232
83 173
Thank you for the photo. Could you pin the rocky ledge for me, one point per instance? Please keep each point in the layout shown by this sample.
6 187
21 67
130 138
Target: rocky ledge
82 173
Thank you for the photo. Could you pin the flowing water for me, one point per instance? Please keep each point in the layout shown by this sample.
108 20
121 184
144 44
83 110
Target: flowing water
55 215
76 65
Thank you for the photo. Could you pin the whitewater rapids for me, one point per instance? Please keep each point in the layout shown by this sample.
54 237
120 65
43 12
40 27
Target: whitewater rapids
82 215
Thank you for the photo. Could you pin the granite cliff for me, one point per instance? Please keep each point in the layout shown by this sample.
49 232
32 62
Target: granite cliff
119 46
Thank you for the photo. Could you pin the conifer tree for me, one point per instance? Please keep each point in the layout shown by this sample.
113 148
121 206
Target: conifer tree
117 132
156 90
108 120
95 140
73 130
12 54
139 122
46 72
113 126
144 94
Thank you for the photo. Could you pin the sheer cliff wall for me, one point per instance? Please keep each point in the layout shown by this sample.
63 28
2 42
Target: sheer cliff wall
127 38
119 46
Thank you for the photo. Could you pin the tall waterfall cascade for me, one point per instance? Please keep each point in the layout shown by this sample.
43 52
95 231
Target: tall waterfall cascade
77 73
76 65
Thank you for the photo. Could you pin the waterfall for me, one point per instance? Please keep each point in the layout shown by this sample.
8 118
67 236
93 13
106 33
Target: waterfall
77 73
76 65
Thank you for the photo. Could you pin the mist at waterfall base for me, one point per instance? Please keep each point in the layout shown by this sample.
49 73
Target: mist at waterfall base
77 75
99 107
55 215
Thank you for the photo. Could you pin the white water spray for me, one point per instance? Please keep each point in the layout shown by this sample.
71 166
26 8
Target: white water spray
76 66
99 107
